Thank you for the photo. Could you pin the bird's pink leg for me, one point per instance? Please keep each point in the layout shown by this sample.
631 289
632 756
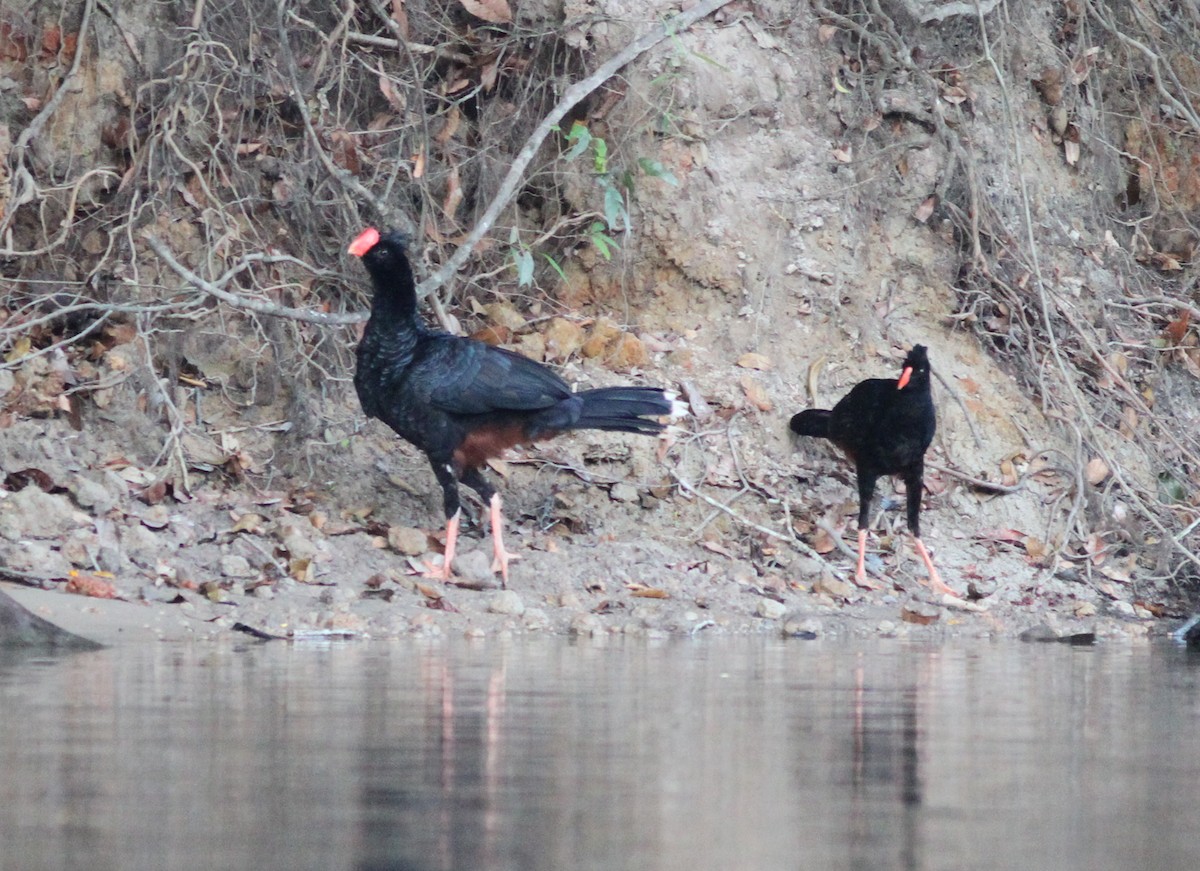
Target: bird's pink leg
935 580
443 572
502 557
860 573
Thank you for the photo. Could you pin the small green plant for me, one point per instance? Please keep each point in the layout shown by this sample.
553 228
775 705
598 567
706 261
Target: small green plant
616 186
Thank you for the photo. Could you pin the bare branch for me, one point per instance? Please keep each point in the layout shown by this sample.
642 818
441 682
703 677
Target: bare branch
254 305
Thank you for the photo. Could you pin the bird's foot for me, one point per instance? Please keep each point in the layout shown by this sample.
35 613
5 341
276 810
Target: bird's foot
937 585
500 563
436 572
866 583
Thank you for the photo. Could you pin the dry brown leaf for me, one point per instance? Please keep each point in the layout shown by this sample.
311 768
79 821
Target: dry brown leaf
400 17
717 548
345 151
97 586
453 119
1129 423
645 592
756 393
1004 536
1177 329
51 41
814 372
823 542
388 89
923 212
955 95
1071 152
418 164
754 361
1096 471
301 569
843 155
249 523
825 33
919 614
454 194
491 11
428 592
1035 548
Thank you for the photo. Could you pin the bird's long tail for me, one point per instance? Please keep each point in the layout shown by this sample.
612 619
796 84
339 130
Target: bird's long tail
813 422
627 409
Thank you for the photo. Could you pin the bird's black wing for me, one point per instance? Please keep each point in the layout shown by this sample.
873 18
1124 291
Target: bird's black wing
464 376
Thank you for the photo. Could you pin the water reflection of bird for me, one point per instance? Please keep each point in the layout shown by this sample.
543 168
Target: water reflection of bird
884 426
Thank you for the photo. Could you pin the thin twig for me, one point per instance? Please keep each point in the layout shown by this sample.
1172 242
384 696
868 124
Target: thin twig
978 483
765 530
254 305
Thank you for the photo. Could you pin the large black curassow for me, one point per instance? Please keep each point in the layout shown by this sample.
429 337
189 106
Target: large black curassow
884 426
463 402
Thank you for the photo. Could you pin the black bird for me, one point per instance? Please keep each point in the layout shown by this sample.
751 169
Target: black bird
884 426
463 402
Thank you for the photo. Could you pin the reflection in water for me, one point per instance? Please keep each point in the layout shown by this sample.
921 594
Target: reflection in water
544 754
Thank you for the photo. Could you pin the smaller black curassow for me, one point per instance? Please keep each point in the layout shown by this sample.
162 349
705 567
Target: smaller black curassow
462 401
884 425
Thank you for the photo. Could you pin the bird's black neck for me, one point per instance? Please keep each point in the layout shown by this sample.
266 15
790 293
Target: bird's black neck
395 300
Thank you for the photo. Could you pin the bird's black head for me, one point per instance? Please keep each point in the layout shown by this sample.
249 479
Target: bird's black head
915 372
386 259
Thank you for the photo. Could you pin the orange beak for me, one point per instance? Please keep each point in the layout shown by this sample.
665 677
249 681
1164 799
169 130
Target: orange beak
904 377
366 240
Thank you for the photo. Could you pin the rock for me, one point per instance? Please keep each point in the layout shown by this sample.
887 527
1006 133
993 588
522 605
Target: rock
234 566
339 597
536 619
1040 632
506 602
407 540
586 624
94 495
475 566
33 513
627 353
533 346
299 545
808 629
769 609
22 629
623 492
1085 609
831 586
1123 609
604 331
563 338
34 557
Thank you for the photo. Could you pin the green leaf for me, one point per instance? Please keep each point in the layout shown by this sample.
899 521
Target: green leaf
655 169
600 155
580 138
603 242
524 267
554 265
614 207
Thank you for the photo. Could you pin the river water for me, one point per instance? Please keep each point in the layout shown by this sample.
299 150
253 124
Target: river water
551 754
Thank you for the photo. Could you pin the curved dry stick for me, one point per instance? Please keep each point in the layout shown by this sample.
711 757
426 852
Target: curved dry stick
572 96
254 305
